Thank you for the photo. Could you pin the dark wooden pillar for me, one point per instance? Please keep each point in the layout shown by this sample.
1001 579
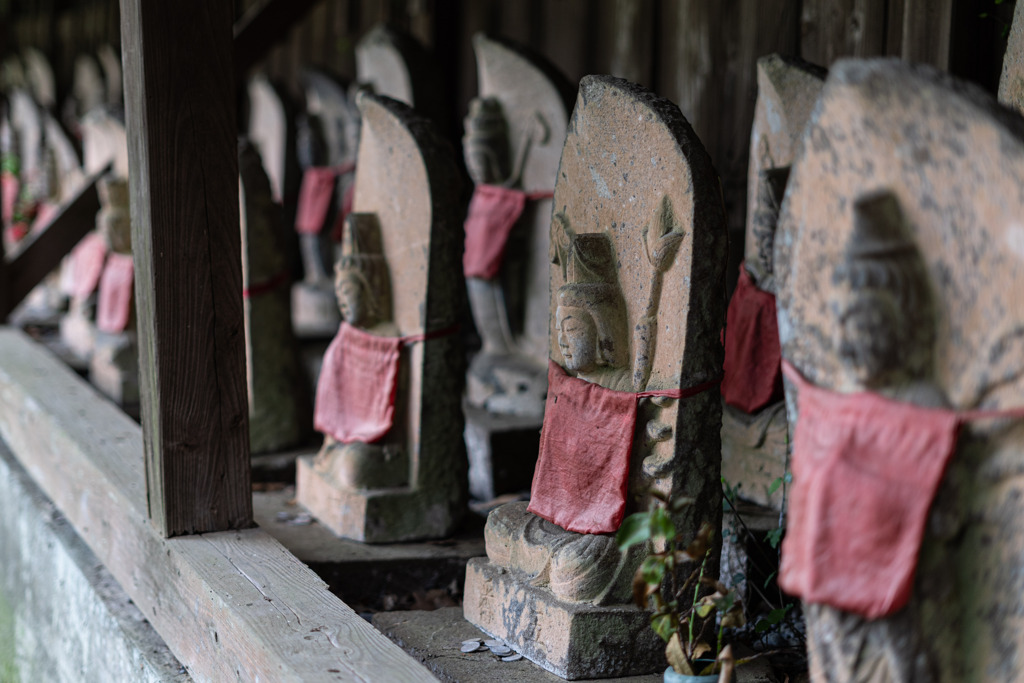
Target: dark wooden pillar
182 143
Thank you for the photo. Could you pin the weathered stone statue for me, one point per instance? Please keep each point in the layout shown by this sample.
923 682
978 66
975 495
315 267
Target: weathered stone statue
279 409
395 64
513 138
326 152
114 365
392 467
39 75
754 429
1011 81
900 318
632 401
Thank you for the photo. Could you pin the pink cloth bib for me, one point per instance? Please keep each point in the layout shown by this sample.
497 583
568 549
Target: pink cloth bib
114 307
9 187
315 197
753 356
85 265
355 395
865 472
493 212
582 473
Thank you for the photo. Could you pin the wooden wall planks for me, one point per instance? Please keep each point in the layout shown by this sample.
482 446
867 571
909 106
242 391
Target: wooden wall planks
182 142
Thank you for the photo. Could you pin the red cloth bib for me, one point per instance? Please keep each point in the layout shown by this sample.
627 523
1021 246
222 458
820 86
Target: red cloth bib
114 306
583 467
493 212
753 356
315 196
85 264
582 473
865 472
355 396
314 199
45 213
9 187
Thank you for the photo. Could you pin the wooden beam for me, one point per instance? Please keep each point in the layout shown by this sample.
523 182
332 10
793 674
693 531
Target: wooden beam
38 254
926 29
183 151
262 27
233 605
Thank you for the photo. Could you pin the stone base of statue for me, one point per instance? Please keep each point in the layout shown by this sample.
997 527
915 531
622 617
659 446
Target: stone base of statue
754 452
114 367
570 639
78 334
502 451
314 310
376 515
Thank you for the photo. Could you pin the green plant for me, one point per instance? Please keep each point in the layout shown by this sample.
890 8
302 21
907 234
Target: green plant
689 615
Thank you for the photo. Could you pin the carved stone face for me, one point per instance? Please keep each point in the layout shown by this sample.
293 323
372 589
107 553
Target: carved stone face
867 337
577 339
352 299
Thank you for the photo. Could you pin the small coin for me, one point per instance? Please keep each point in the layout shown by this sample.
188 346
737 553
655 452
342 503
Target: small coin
501 650
493 643
512 658
470 646
471 640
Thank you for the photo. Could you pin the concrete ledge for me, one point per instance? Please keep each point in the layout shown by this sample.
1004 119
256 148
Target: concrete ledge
63 617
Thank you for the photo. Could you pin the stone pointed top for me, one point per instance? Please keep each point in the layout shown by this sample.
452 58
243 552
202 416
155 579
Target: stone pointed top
407 176
110 61
328 100
396 65
1011 82
40 77
87 86
536 100
104 139
787 90
954 161
269 130
631 163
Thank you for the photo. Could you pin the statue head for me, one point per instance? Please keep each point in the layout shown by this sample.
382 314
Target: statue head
361 280
885 328
486 143
590 316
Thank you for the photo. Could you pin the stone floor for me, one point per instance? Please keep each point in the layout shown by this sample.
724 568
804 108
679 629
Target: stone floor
435 639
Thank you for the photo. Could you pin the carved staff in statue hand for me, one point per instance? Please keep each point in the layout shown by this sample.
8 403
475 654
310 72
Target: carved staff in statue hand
661 243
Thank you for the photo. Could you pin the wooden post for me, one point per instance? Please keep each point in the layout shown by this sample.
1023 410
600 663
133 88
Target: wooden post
926 29
183 156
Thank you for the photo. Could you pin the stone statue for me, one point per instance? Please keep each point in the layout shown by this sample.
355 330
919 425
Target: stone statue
394 64
890 191
362 285
114 365
279 410
1011 80
392 467
635 224
512 141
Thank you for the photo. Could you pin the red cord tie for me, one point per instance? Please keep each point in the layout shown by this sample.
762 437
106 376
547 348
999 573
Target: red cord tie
267 285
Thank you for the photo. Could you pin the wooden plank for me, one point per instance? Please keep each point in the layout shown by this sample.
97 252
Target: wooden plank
261 28
926 30
39 253
628 28
182 142
232 605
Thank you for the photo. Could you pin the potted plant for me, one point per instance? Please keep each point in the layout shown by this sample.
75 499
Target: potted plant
690 615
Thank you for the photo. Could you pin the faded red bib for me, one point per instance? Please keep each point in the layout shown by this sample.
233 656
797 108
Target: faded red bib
85 265
865 472
9 187
582 472
753 371
355 395
315 196
493 212
114 307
